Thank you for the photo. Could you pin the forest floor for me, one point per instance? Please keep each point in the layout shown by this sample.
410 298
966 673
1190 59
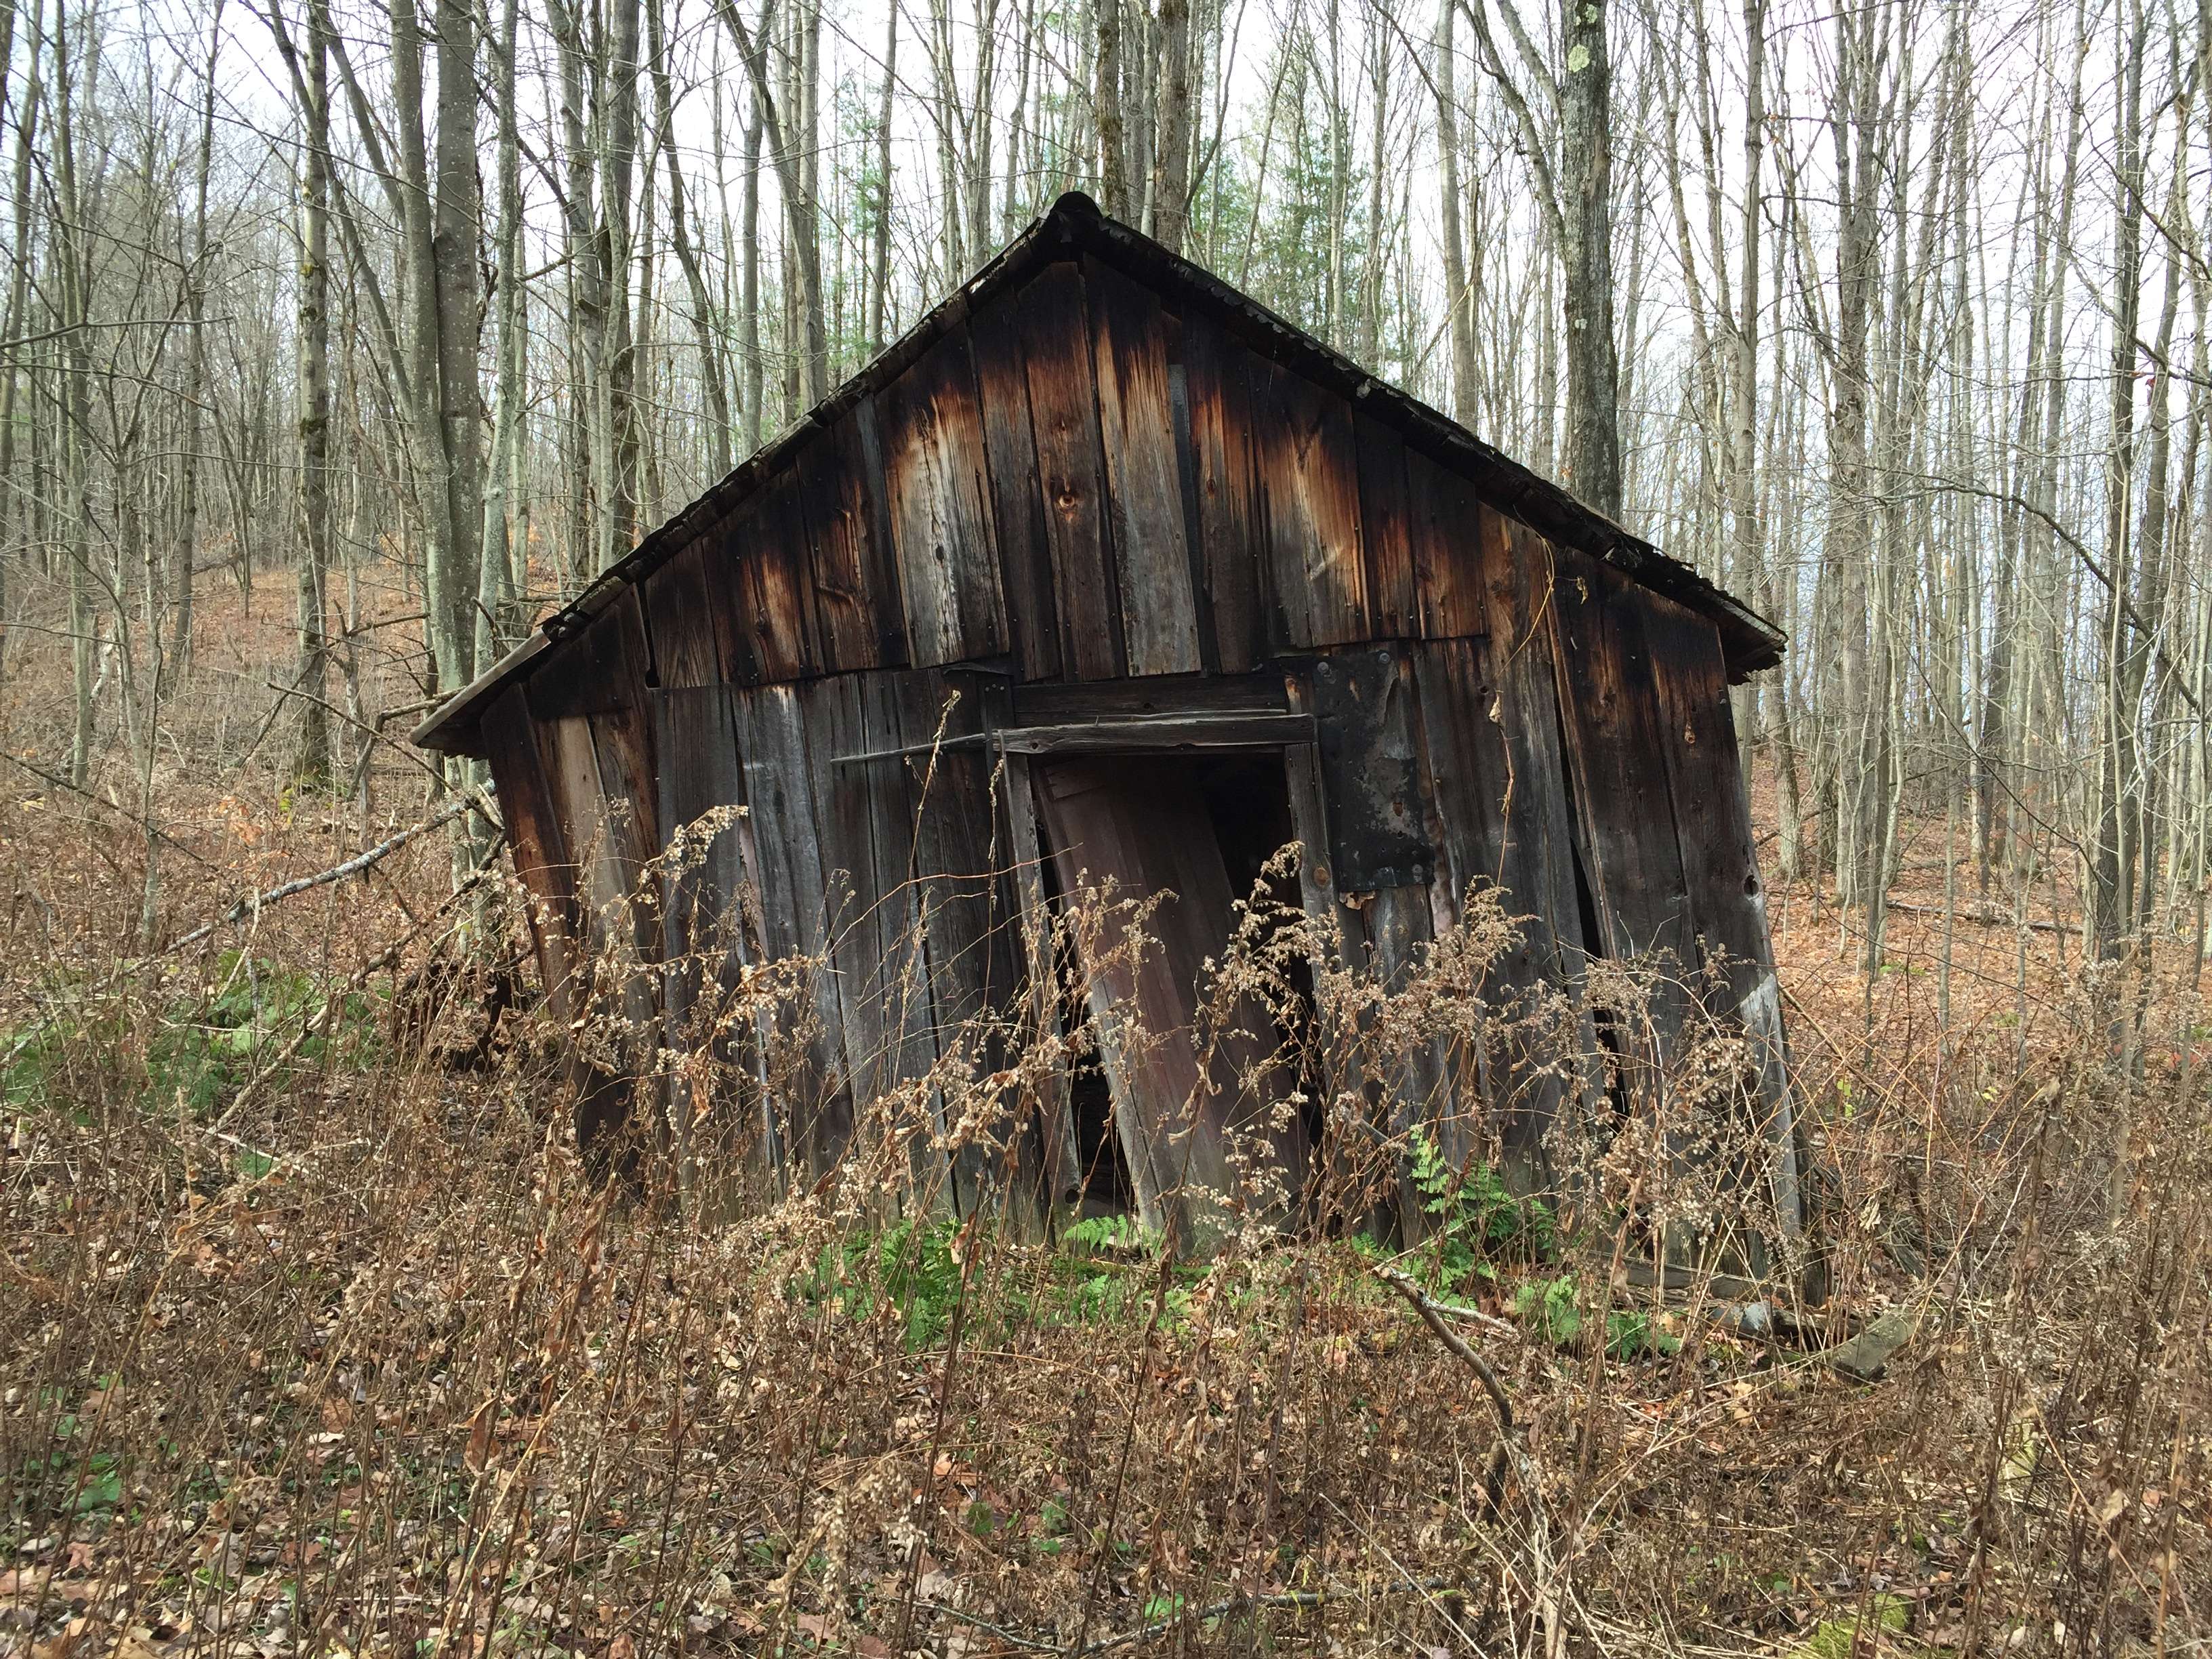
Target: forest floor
315 1336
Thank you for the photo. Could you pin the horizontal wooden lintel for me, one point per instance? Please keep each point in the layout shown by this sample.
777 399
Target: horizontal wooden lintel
1155 735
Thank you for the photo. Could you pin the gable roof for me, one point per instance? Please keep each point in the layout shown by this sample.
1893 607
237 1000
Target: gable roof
1074 224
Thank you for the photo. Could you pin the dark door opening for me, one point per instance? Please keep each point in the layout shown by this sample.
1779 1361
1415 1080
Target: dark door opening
1186 1155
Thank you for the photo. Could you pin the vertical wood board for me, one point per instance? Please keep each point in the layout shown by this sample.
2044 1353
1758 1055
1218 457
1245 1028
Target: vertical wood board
1159 616
936 475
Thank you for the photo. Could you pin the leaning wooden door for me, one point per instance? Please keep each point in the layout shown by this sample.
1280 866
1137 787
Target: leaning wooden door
1204 1149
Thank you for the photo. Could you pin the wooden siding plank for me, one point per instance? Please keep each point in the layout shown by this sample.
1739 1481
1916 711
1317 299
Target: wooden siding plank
1215 371
1265 692
1052 319
705 920
1615 746
1497 793
1018 502
863 823
1145 828
856 592
1386 530
772 563
935 470
680 622
1152 557
814 1109
604 667
960 895
537 840
1720 859
1309 474
1452 539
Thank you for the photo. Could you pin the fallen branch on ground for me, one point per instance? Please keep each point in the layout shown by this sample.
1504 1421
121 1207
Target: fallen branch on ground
352 867
1979 918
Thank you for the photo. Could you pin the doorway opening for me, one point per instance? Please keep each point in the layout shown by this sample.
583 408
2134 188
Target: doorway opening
1151 1136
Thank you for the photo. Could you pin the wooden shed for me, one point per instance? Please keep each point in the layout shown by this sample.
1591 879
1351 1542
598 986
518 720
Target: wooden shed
1106 567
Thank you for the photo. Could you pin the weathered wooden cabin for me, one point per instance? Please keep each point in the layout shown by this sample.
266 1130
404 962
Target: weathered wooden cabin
1193 586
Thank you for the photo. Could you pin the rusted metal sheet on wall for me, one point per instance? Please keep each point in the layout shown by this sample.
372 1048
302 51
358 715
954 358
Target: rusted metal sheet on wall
1361 704
935 464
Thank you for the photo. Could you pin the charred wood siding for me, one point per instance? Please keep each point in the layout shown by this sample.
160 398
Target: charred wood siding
1081 482
1103 501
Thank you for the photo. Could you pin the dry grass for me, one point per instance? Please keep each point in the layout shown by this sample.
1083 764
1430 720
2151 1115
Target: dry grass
315 1335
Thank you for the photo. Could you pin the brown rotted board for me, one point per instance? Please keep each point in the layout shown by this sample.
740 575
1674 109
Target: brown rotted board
1383 840
623 742
1448 533
1018 500
537 840
605 668
694 734
935 466
1307 467
1616 745
1494 732
1146 828
1386 529
1217 379
1159 611
1720 860
857 608
770 568
680 620
812 1104
1052 321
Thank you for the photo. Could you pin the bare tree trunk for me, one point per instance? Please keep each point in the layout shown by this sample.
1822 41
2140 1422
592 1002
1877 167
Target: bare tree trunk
195 376
800 216
505 542
1459 298
1112 178
12 517
748 302
1171 183
1593 468
311 755
879 258
718 423
2111 917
